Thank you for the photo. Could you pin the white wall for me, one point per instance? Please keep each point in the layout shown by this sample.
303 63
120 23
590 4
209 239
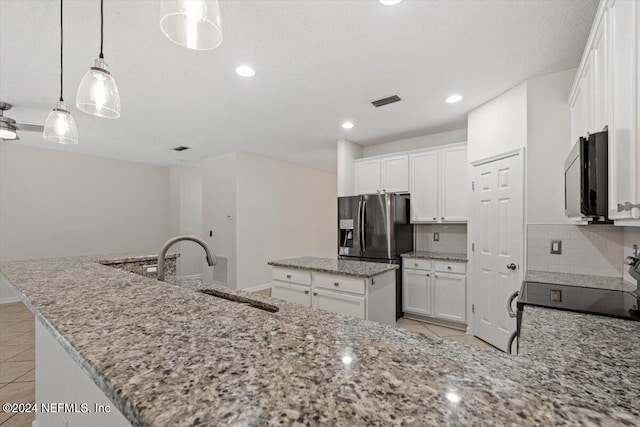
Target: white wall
548 144
283 211
347 152
186 216
219 189
425 141
55 204
499 126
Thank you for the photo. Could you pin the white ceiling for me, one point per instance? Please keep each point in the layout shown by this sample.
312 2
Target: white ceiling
318 63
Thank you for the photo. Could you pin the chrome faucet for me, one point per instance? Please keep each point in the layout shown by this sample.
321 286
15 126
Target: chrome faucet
211 258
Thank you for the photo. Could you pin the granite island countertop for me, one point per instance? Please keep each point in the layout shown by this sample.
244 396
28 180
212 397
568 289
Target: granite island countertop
167 355
438 256
336 266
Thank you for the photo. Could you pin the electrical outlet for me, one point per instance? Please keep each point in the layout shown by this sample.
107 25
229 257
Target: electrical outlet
556 247
436 237
150 270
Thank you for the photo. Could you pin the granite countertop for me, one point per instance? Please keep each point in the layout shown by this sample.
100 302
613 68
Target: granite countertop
580 280
336 266
438 256
122 258
168 355
600 353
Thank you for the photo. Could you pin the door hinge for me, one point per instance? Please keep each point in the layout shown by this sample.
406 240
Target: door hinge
473 247
473 308
473 186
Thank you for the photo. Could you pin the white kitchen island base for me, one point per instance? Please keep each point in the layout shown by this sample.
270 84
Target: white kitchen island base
65 394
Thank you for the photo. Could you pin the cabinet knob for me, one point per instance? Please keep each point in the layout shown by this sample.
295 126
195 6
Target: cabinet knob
336 284
427 274
448 267
306 292
315 294
373 282
442 218
416 264
288 276
434 218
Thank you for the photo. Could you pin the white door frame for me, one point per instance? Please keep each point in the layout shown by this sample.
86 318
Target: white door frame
471 263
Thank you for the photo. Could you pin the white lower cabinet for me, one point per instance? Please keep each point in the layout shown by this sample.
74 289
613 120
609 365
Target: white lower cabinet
449 296
340 303
434 289
364 298
292 293
417 291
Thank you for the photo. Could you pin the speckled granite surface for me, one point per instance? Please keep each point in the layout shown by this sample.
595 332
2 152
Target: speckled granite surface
438 256
336 266
616 283
600 353
167 355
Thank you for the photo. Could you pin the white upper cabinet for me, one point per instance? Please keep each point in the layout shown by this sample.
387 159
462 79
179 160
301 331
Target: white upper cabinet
367 176
395 174
605 93
439 185
454 185
390 174
424 187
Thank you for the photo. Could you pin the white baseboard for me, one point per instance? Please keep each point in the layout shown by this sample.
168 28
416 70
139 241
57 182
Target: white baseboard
8 300
257 288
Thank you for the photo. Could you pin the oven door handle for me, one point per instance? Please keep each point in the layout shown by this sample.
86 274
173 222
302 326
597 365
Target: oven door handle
509 308
510 342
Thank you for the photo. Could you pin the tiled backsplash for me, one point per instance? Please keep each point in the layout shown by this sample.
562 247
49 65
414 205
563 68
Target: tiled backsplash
453 238
594 249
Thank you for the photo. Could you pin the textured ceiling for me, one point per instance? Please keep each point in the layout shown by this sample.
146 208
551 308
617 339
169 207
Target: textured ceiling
318 63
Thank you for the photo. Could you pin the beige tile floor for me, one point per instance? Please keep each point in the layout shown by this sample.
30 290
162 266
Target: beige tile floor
17 362
442 332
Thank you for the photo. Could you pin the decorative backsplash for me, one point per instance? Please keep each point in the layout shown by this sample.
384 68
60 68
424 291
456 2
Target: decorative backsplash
594 249
453 238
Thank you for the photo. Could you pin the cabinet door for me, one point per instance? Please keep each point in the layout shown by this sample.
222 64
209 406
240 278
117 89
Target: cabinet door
395 174
417 292
586 88
367 176
623 150
577 117
450 296
339 303
424 187
454 185
292 293
600 74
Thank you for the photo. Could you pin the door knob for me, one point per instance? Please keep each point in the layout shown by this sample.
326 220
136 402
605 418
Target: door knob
511 266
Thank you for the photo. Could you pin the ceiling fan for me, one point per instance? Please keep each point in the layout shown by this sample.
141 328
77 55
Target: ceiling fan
9 128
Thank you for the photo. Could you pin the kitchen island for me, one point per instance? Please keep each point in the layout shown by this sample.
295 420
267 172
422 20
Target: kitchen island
167 355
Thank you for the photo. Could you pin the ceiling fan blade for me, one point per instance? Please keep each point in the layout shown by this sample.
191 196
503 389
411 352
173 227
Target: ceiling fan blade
29 128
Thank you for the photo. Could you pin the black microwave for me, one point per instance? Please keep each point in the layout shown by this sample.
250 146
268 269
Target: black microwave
586 181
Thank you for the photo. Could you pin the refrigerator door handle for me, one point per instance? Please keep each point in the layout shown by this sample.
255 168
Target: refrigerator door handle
359 224
362 226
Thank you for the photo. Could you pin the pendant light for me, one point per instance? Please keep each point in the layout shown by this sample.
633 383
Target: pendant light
194 24
60 126
98 94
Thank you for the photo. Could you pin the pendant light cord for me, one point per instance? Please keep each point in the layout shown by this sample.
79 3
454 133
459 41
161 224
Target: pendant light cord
101 27
61 36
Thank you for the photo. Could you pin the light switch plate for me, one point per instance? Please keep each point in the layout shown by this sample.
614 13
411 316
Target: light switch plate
556 247
436 237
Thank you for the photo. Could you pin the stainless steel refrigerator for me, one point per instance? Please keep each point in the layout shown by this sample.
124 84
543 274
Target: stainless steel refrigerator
376 228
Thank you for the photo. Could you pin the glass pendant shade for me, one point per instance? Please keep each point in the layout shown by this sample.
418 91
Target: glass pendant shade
6 132
194 24
60 126
98 94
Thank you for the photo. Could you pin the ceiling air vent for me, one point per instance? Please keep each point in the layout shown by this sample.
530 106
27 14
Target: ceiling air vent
385 101
180 148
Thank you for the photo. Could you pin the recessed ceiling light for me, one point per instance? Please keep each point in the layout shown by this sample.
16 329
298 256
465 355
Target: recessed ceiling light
453 99
347 125
390 2
245 71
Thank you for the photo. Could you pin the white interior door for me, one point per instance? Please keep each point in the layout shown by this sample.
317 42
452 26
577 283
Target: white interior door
498 237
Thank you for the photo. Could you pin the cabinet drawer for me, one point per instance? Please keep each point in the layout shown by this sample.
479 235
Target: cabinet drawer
339 283
451 267
301 277
417 264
